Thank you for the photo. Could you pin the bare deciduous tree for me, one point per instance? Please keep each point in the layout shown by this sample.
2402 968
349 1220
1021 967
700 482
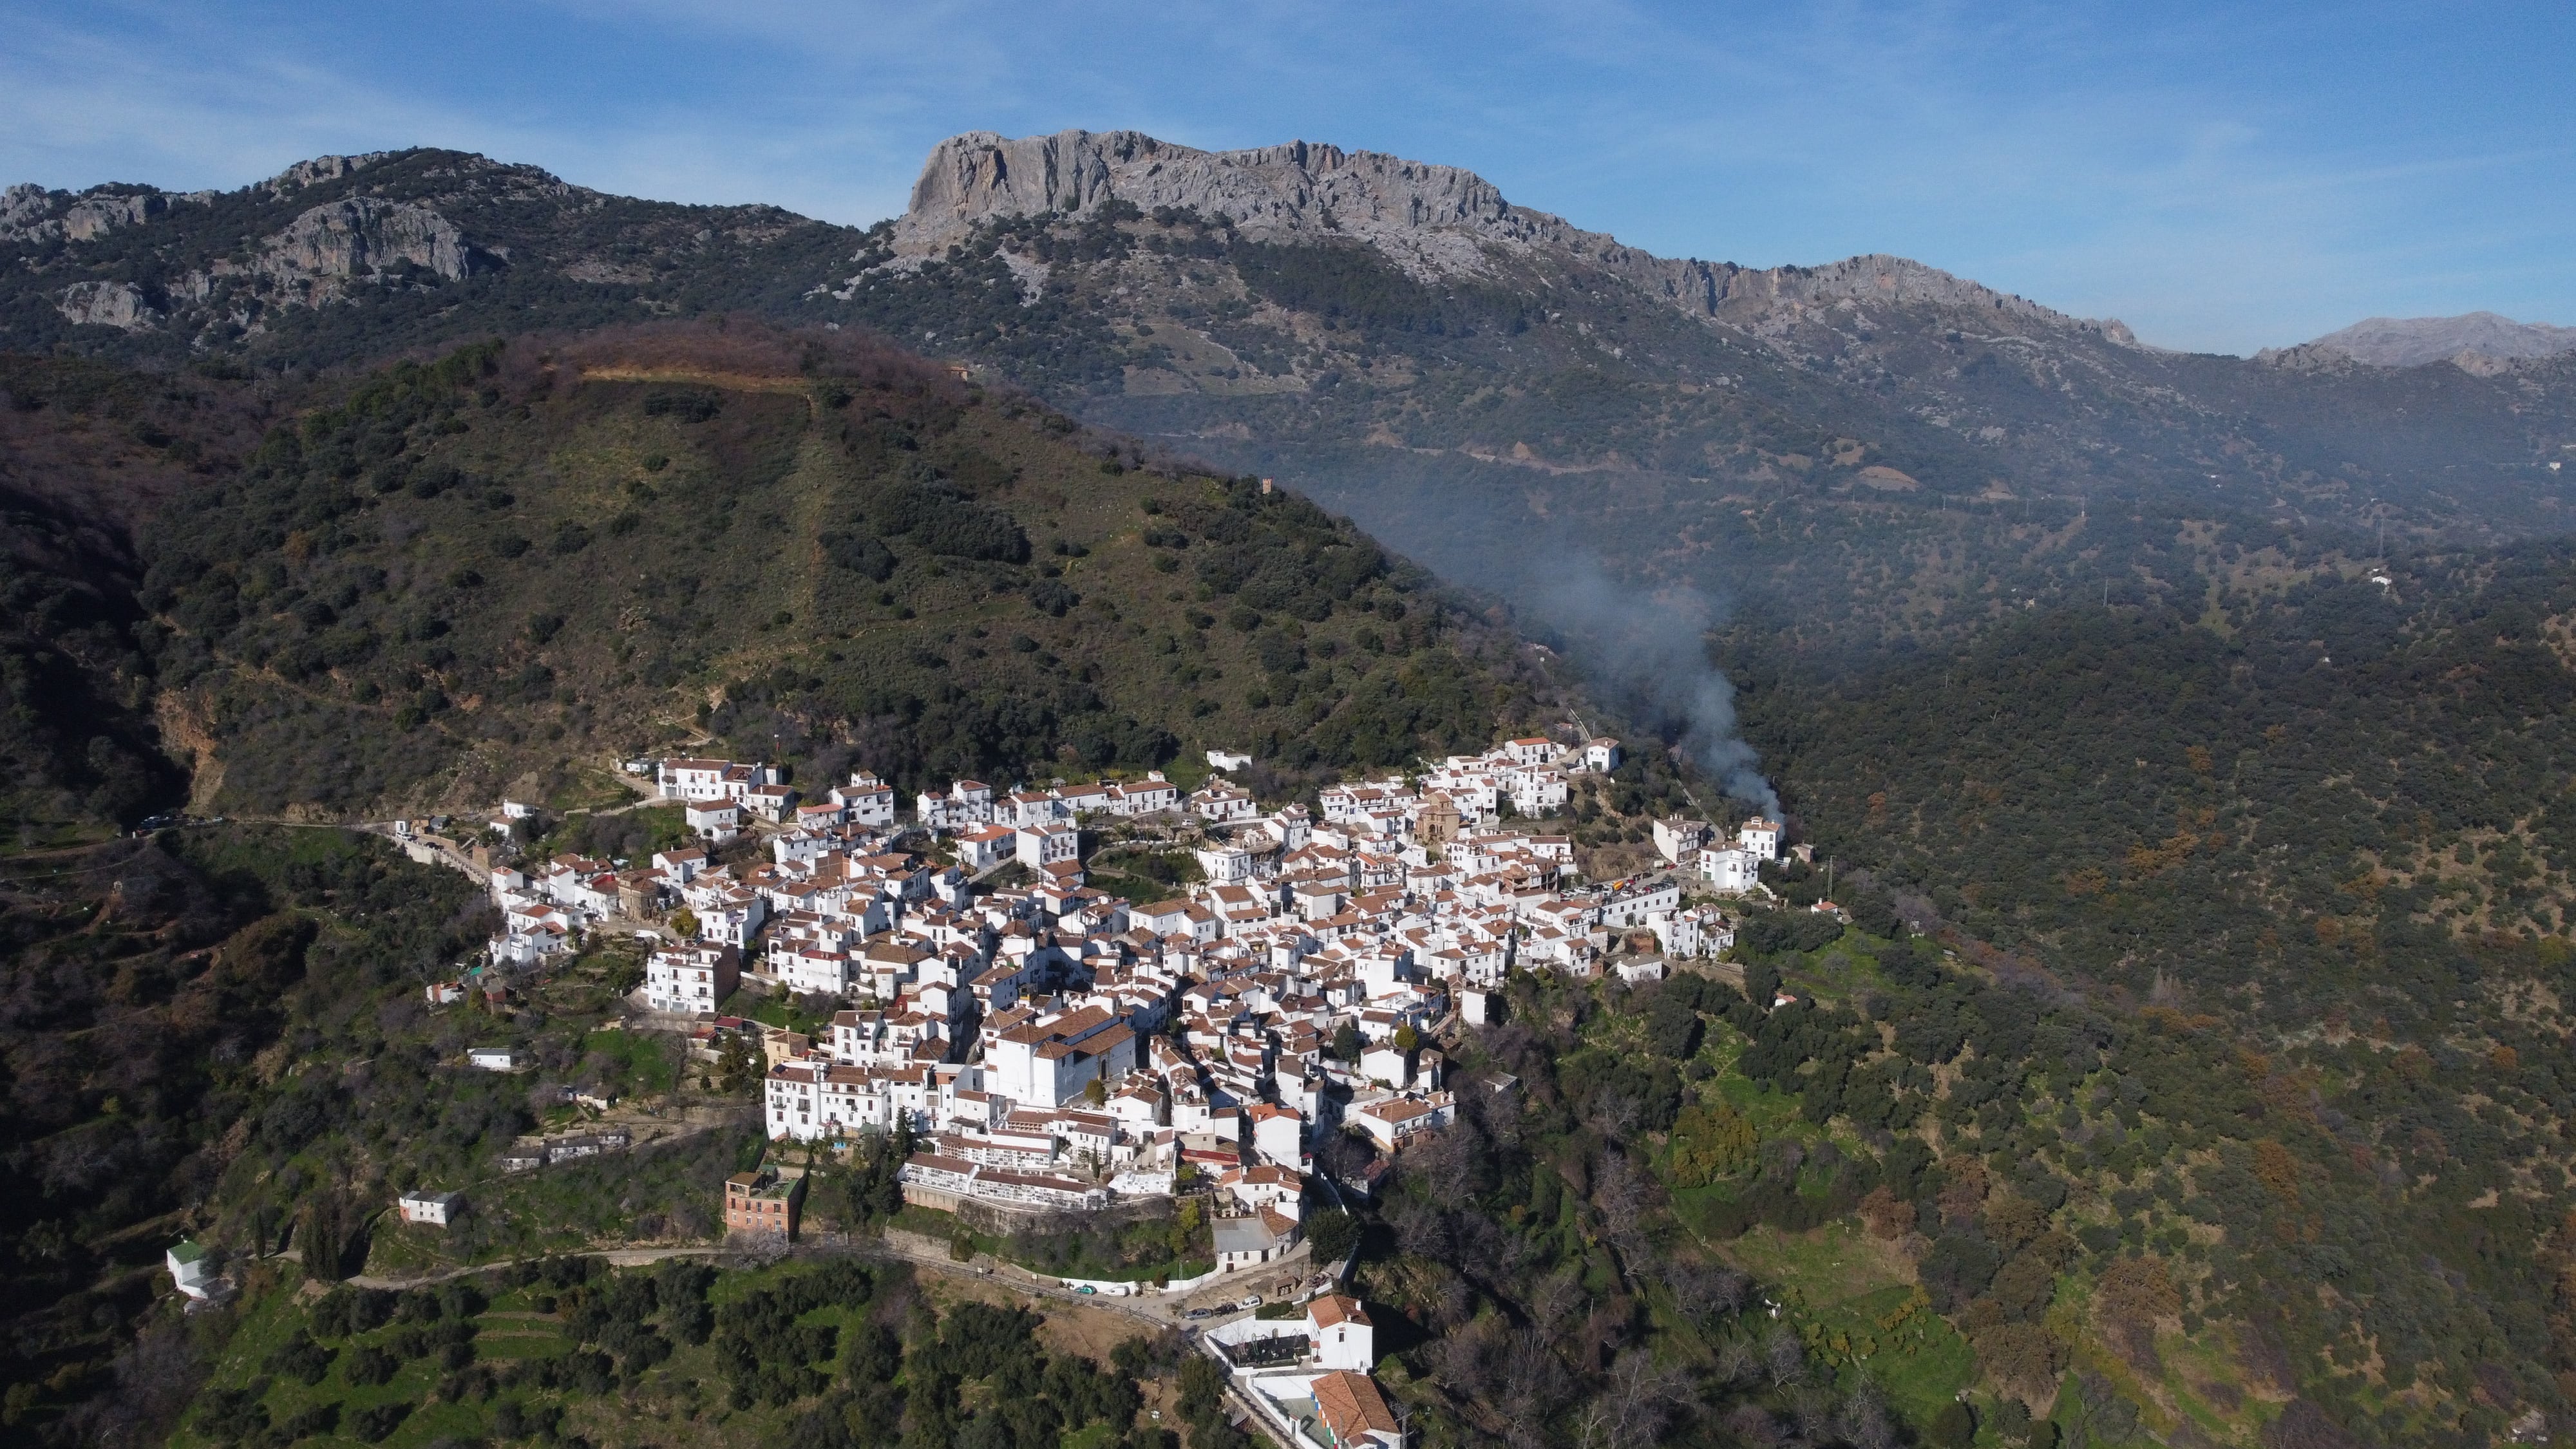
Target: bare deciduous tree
1638 1402
1813 1409
1753 1424
1707 1291
1557 1297
156 1376
1471 1358
1625 1196
1614 1116
1536 1380
1783 1357
1451 1164
1737 1364
1865 1421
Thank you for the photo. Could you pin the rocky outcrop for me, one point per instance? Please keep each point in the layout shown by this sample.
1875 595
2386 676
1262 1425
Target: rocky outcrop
1291 188
24 209
1714 287
95 216
1429 219
361 235
1434 221
2308 357
108 304
321 168
312 260
31 213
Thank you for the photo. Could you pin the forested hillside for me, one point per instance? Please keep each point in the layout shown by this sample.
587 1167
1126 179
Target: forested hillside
2298 870
2104 1206
185 1020
87 451
542 552
2297 803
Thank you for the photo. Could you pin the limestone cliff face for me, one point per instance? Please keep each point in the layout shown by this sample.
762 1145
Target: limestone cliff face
31 213
121 305
318 170
312 261
96 216
360 235
1428 218
1434 221
23 208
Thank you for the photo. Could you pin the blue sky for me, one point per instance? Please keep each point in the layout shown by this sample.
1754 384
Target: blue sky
2220 177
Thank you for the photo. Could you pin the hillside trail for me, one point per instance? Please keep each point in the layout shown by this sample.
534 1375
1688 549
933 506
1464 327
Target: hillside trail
617 1257
910 1248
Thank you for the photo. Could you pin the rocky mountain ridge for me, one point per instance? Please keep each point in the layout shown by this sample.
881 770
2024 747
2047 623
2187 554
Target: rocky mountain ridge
220 271
1436 222
309 261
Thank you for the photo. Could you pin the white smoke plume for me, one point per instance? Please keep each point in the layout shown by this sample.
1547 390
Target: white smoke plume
1646 651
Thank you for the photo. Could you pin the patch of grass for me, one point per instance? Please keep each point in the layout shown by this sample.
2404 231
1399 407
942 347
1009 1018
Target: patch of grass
2191 1366
400 1250
1135 888
1857 1310
1840 972
774 1011
37 836
590 790
1822 1266
1775 1113
643 1064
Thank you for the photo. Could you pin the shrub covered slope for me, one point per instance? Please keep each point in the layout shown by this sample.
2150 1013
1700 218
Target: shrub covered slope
529 553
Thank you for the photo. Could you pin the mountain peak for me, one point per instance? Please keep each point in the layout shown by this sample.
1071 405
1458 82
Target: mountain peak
2414 341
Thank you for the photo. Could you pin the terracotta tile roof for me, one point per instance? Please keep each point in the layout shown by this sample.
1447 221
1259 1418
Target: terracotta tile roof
1337 1308
1352 1407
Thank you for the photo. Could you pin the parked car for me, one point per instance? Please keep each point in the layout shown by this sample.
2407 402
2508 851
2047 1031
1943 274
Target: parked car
1198 1313
1249 1300
1086 1288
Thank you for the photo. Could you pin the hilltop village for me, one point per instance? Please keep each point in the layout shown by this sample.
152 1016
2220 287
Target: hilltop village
1050 1043
1263 1038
